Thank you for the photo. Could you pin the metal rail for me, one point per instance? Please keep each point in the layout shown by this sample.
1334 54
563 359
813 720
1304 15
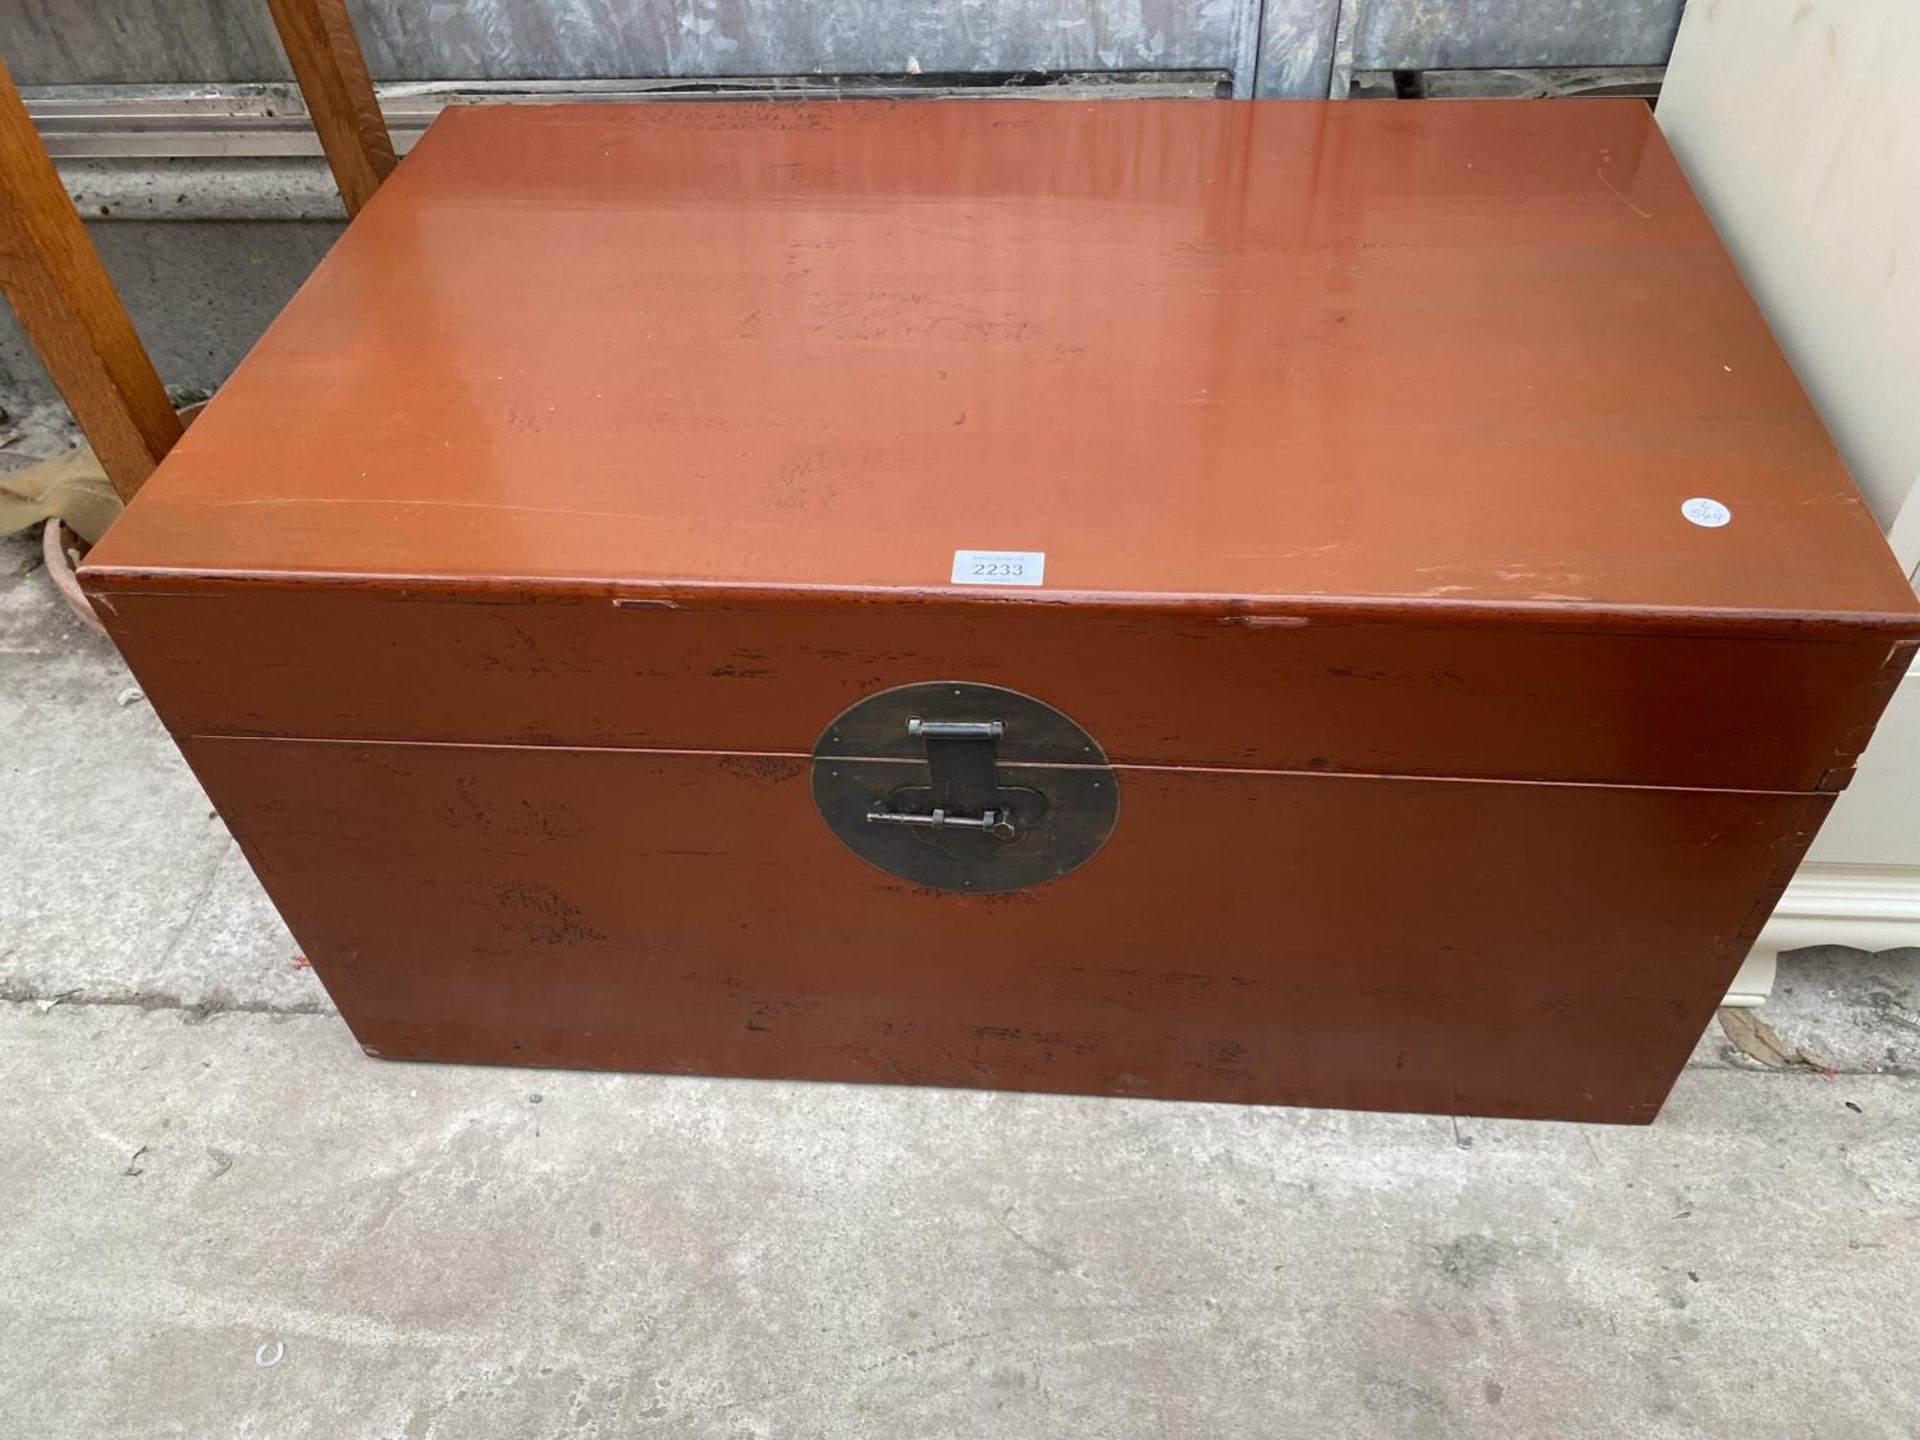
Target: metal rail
270 120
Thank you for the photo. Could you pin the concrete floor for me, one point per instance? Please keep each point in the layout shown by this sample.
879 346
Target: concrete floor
220 1219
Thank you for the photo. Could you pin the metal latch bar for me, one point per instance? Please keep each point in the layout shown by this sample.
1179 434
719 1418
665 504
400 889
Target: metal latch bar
996 823
955 729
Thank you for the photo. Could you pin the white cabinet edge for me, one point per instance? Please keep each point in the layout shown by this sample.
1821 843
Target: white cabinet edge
1864 907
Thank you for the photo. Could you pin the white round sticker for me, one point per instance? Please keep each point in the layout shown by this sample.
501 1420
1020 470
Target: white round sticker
1702 511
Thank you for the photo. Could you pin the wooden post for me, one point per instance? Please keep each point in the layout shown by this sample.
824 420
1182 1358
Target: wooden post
325 53
53 278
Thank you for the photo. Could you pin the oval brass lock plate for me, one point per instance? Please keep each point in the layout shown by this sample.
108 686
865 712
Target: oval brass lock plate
964 787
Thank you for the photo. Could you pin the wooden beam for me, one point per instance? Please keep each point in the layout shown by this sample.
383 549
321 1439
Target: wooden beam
53 278
325 53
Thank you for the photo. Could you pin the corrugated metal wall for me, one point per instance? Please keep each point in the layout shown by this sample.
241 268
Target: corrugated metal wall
1279 48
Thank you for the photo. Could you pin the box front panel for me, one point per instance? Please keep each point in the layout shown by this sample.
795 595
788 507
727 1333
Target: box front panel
1515 949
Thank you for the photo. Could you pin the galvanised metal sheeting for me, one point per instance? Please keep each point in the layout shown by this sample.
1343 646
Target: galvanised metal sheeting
61 42
1504 34
1271 47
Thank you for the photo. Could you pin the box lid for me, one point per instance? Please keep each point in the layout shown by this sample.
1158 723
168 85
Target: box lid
1228 355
